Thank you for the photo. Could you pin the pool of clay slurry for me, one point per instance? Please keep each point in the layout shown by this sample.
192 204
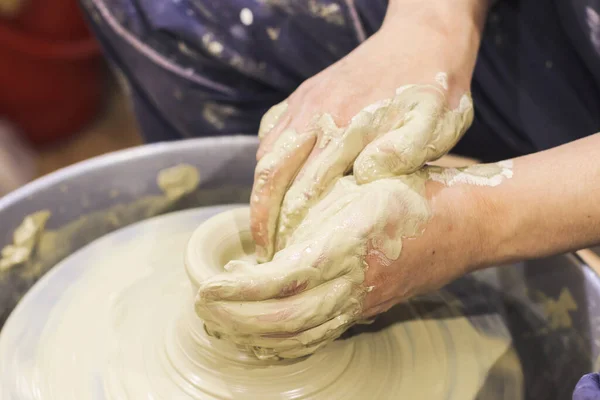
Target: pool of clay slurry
115 320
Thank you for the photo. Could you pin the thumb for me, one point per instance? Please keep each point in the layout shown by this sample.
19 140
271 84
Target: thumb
429 132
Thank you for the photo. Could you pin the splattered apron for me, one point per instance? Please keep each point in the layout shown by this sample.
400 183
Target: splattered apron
213 67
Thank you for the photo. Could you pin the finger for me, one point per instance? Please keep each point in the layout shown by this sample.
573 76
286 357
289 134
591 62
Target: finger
344 198
429 131
299 267
273 174
333 156
288 315
271 118
272 280
280 118
330 159
294 345
268 140
403 148
456 123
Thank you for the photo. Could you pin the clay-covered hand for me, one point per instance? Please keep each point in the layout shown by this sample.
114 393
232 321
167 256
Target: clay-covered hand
348 260
379 119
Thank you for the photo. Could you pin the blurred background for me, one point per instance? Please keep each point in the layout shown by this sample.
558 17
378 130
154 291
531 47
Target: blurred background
59 102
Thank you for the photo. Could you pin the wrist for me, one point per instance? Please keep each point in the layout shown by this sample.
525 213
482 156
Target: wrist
449 13
464 218
448 31
497 225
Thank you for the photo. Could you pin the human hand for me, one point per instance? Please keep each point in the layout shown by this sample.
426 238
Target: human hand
349 260
397 109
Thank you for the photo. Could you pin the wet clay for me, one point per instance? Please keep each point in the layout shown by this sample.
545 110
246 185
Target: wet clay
25 239
312 291
479 174
31 235
124 327
415 126
326 258
179 186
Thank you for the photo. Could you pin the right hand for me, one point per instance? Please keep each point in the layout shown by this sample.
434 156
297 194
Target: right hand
359 251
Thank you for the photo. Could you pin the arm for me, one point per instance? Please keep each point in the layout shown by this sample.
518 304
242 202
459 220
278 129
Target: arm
427 48
366 247
550 206
454 31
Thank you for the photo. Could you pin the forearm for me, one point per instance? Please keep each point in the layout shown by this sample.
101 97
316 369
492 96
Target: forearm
454 12
551 204
451 32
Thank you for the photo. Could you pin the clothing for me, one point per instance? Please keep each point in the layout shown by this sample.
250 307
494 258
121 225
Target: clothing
588 388
213 67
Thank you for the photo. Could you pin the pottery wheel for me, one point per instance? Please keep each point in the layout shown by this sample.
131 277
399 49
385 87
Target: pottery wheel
115 321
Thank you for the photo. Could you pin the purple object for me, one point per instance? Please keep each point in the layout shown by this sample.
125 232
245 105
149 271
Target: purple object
588 388
213 67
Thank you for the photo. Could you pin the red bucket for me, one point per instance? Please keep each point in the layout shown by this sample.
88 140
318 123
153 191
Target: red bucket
51 73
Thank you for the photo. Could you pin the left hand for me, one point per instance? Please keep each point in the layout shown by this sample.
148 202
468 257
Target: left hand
377 112
347 261
402 134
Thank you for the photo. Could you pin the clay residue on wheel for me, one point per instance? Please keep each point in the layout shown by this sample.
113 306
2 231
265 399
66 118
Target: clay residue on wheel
145 341
179 186
178 180
25 238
